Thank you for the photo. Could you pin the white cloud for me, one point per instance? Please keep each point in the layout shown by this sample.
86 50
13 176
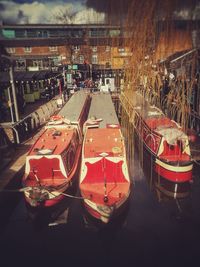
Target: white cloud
37 12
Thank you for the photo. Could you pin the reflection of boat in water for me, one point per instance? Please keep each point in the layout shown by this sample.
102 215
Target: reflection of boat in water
161 189
94 223
165 149
104 179
42 217
52 163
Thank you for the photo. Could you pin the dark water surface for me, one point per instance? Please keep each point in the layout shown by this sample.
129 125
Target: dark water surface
152 232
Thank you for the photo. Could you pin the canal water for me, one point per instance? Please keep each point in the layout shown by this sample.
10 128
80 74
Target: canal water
153 231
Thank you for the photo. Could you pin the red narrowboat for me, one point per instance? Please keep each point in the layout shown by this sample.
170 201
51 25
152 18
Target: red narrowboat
53 161
165 147
104 177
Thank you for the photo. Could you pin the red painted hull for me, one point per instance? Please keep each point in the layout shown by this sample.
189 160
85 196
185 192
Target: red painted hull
63 187
164 144
103 198
104 181
53 161
173 176
169 166
106 213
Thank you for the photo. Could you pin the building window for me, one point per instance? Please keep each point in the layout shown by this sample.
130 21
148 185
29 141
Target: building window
81 59
31 33
121 50
94 59
27 49
20 64
113 33
53 48
10 50
21 33
107 48
39 33
108 65
97 32
37 63
76 47
94 48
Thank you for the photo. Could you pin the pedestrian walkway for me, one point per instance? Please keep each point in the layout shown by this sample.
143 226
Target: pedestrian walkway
16 166
31 107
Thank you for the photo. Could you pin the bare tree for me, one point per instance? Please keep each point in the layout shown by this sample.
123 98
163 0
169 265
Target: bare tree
66 15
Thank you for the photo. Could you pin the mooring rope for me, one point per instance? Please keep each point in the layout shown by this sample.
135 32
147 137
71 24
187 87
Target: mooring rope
22 190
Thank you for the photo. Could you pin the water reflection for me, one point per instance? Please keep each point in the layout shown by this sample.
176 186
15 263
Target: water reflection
43 217
164 189
177 199
54 215
63 213
154 230
114 224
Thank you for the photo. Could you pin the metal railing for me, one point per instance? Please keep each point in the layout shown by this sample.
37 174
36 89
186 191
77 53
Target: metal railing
26 127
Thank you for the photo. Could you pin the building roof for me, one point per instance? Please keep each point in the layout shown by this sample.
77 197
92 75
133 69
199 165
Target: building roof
58 26
54 41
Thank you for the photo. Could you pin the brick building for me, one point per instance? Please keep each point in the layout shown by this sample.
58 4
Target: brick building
47 46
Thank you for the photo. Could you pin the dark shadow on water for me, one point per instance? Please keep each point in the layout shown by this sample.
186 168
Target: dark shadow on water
42 217
9 198
154 230
182 205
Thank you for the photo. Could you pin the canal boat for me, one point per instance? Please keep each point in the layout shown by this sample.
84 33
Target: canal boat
104 176
165 147
53 162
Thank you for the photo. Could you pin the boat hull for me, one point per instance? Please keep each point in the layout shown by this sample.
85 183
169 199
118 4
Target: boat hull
106 213
172 180
54 199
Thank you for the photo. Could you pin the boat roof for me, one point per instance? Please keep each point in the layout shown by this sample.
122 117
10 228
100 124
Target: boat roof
102 107
153 116
144 108
74 106
52 141
103 140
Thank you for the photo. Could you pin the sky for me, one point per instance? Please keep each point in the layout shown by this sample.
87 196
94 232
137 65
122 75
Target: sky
50 11
78 11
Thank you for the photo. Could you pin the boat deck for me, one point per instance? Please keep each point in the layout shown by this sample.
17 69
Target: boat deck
104 140
74 107
102 107
52 141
